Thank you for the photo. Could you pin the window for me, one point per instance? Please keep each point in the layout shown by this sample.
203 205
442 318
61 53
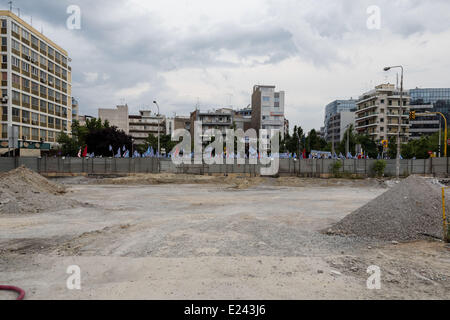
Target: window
4 42
50 66
25 66
25 83
64 73
35 102
57 96
43 90
57 82
51 108
51 93
25 34
25 51
15 45
43 105
15 112
266 99
16 96
50 51
57 55
35 117
25 130
50 80
43 61
57 69
16 79
4 76
25 99
34 56
35 41
43 76
43 119
15 28
64 85
15 62
35 71
4 24
64 60
5 59
43 46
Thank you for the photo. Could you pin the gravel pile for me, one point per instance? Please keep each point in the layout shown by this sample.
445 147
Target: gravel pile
25 191
411 210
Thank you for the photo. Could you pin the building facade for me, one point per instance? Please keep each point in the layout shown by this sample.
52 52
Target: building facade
75 109
145 124
338 125
429 100
117 117
332 110
268 109
378 113
36 84
176 123
220 119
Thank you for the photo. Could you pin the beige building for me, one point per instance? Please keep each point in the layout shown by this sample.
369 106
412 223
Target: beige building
220 119
117 117
268 109
144 124
377 113
36 84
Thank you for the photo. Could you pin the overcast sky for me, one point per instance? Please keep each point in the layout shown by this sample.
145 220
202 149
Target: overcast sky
180 52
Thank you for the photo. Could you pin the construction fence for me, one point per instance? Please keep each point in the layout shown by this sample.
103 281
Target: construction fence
287 167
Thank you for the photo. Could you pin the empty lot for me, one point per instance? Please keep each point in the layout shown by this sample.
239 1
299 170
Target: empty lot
212 242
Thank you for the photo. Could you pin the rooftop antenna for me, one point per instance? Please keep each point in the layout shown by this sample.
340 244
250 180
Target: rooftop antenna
10 5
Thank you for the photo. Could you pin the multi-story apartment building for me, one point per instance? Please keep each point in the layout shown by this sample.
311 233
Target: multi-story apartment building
268 109
378 113
338 125
243 118
36 84
145 124
428 100
331 110
220 119
117 117
177 122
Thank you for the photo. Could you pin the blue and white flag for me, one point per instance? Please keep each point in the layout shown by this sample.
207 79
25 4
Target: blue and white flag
110 148
118 155
123 148
126 154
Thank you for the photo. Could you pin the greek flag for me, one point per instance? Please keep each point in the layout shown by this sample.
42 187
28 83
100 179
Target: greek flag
118 155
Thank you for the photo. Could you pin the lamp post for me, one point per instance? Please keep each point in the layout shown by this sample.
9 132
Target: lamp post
399 120
159 141
348 139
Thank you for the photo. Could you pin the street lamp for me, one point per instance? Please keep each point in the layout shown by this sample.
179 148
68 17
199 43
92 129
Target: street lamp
400 115
348 139
159 141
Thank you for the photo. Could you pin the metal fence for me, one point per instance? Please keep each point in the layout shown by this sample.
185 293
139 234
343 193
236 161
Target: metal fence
291 167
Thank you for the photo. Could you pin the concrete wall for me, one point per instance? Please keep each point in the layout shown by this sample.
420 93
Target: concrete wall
288 167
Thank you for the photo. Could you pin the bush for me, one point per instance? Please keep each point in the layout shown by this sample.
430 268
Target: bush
336 169
379 167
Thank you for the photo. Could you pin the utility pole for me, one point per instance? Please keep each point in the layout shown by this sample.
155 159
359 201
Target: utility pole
399 120
159 138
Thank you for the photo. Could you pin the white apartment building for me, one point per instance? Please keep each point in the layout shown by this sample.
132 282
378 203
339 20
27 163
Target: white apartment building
117 117
268 109
378 113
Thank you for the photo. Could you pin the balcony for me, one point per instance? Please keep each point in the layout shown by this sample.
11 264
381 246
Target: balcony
372 115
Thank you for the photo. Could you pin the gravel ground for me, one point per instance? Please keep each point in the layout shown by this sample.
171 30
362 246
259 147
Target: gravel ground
411 210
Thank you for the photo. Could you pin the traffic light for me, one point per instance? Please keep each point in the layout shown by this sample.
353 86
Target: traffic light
412 115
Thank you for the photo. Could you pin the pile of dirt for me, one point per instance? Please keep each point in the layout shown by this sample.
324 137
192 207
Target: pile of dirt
411 210
25 191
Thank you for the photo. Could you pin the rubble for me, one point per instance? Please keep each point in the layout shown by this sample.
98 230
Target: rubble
411 210
25 191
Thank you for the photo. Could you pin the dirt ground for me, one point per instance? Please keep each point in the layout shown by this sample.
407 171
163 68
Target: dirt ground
243 239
